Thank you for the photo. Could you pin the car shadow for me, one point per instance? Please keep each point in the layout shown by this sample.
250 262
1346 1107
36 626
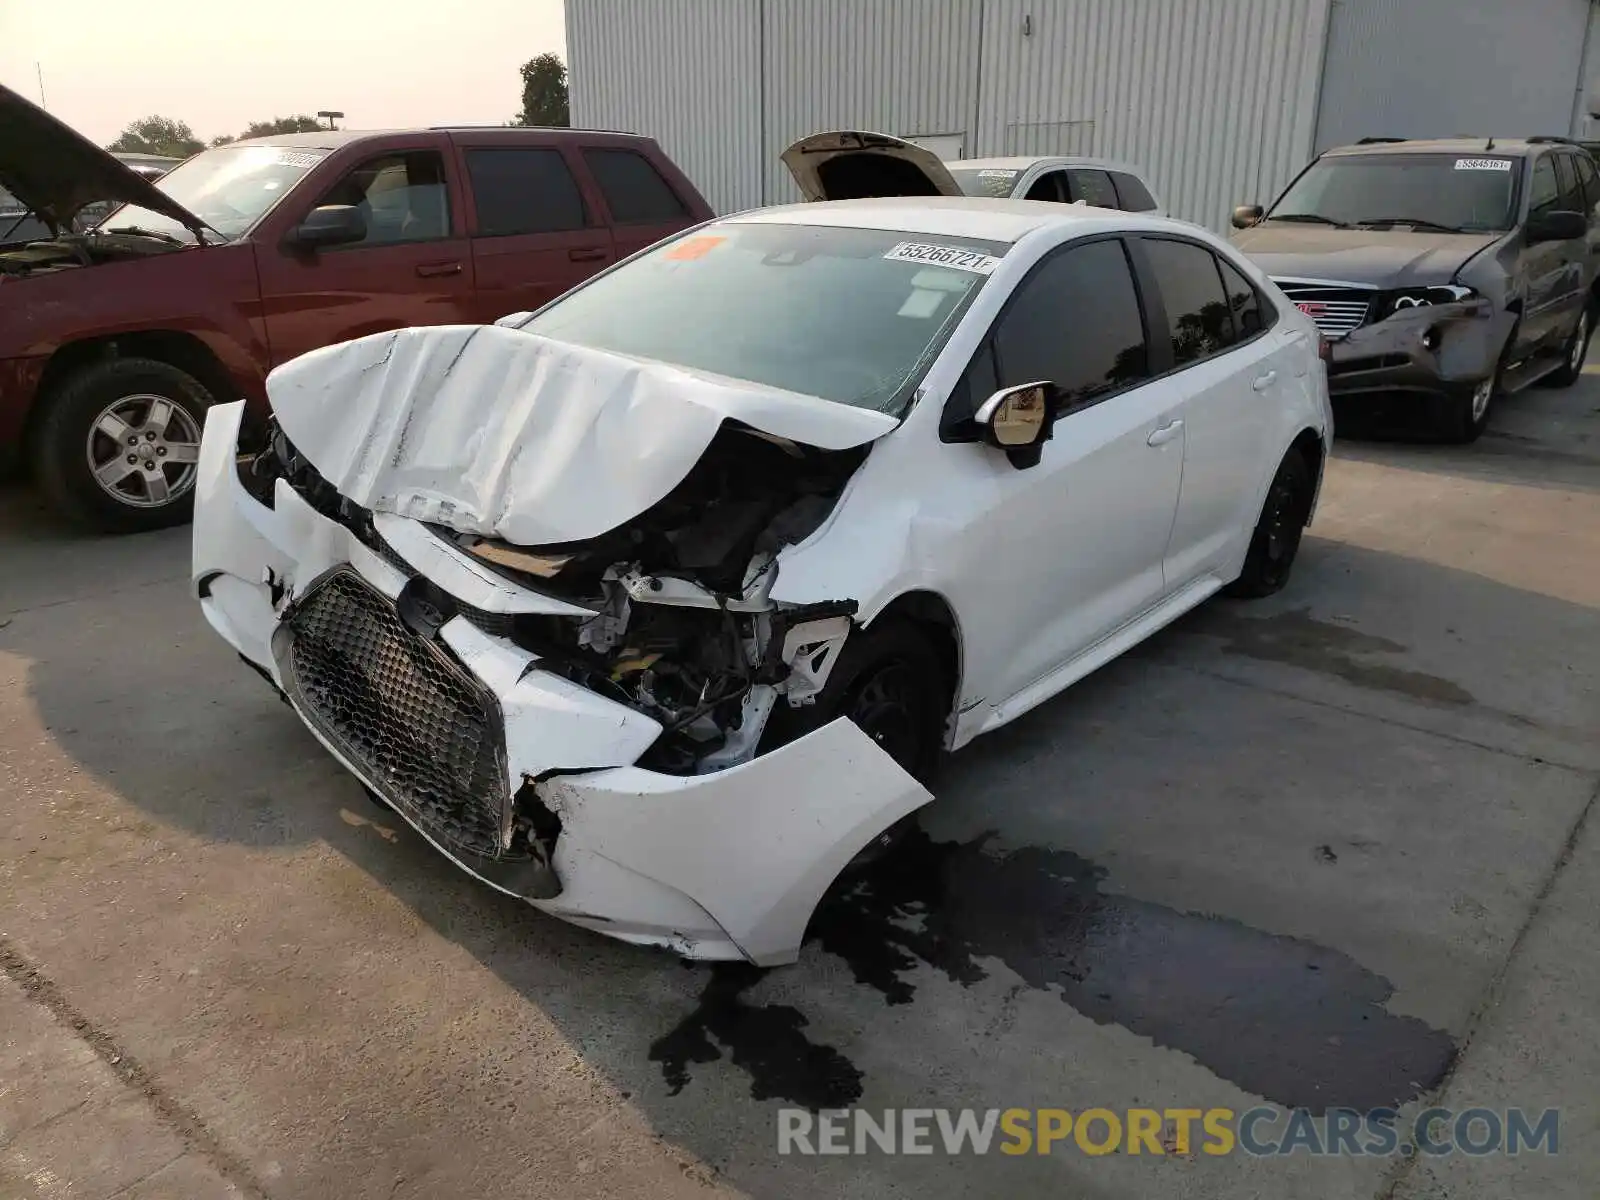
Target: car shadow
1059 866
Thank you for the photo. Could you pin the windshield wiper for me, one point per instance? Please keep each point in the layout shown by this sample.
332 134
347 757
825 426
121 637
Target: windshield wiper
1413 222
1309 219
142 232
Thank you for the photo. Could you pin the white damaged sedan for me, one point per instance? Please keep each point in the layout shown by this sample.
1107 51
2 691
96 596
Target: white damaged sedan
657 608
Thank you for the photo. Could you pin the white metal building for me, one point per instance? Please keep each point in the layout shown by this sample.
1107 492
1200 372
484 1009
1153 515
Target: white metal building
1221 101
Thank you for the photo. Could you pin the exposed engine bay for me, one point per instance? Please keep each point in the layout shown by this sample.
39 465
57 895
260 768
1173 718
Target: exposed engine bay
71 251
678 621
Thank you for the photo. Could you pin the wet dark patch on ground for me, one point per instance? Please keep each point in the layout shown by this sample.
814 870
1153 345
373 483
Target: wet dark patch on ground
1298 639
1283 1018
767 1041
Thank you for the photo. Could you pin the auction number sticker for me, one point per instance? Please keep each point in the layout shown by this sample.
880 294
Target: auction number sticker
1483 164
944 256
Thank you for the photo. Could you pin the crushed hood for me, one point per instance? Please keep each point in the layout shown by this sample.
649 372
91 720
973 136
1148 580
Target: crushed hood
849 164
1383 258
56 172
490 430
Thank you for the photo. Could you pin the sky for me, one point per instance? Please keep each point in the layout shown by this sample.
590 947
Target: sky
220 66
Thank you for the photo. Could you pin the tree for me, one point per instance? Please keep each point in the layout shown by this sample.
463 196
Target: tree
158 135
300 124
222 139
544 92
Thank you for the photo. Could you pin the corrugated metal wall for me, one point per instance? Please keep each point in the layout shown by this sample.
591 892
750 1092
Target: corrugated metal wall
1216 99
686 73
1435 68
895 66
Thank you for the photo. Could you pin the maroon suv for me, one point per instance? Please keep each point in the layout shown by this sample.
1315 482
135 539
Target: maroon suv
114 342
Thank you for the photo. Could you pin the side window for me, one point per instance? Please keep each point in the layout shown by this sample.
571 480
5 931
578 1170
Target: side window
634 190
1046 187
1571 195
1251 314
1092 186
1546 190
402 196
523 191
1132 193
1589 181
1199 319
1075 321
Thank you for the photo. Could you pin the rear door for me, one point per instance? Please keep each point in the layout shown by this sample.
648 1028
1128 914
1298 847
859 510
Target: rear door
1091 186
414 266
535 234
1232 377
640 204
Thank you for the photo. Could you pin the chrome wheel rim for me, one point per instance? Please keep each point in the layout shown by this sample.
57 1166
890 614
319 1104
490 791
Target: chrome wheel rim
1480 399
143 450
1580 343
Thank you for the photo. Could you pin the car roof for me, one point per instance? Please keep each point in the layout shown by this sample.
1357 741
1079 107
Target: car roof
1456 145
1021 162
332 139
956 216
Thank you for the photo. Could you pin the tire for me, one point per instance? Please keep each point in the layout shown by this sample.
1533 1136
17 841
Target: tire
1575 350
887 664
1276 539
156 448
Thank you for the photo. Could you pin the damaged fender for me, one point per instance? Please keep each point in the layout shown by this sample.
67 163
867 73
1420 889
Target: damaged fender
755 845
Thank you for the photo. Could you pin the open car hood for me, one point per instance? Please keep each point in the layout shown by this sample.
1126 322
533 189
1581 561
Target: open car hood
848 164
489 430
57 172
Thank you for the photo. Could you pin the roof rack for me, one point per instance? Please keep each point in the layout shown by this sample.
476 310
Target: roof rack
1373 141
1545 139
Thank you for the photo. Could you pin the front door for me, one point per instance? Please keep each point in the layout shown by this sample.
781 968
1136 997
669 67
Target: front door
1549 268
533 234
1067 551
413 267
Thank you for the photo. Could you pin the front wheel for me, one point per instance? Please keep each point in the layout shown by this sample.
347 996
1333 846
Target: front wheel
117 446
1276 539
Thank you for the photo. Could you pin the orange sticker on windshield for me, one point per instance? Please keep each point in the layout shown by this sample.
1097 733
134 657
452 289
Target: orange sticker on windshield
692 248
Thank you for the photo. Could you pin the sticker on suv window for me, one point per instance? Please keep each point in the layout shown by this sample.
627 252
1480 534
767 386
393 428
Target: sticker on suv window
1483 164
944 256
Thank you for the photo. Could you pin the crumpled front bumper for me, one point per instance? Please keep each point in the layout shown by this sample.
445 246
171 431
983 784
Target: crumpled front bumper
1442 351
725 865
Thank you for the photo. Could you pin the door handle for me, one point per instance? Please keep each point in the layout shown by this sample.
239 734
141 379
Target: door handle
430 270
586 255
1165 434
1263 382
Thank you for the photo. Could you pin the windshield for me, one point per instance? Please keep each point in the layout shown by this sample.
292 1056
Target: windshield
994 182
1453 192
230 189
850 315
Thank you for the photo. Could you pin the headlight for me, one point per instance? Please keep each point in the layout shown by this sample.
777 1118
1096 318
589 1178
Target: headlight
1424 297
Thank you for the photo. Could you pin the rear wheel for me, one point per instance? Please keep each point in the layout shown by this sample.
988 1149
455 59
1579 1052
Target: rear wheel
1574 352
1276 540
117 446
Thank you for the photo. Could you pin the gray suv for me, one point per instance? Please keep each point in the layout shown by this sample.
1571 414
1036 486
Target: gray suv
1443 273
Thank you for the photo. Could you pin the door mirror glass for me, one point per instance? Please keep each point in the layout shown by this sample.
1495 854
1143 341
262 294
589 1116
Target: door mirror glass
1018 417
330 225
1247 215
1557 226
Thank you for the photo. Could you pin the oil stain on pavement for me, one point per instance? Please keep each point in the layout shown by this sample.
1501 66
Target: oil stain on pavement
1297 1023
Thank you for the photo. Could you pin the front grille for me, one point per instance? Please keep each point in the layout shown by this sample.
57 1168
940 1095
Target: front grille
1336 310
425 734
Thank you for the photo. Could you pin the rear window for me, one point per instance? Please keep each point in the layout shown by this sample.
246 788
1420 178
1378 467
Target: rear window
1092 187
633 189
523 191
849 315
993 182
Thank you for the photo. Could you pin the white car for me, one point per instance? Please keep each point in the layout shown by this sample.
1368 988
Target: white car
849 164
658 607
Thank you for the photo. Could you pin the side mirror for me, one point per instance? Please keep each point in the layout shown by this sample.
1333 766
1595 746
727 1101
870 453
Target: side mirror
330 225
1560 226
1018 420
1247 215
